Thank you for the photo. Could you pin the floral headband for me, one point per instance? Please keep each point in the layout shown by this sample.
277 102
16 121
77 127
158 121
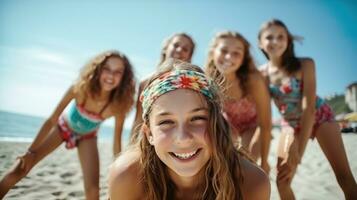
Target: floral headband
173 80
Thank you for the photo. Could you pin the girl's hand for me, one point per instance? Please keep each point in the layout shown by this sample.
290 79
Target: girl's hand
287 169
286 172
266 167
26 160
294 157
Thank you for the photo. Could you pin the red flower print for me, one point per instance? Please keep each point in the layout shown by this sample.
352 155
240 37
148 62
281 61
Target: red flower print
283 107
286 89
185 81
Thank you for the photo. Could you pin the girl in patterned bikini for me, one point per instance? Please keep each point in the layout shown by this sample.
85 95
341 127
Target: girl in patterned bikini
179 46
292 84
247 100
105 88
186 150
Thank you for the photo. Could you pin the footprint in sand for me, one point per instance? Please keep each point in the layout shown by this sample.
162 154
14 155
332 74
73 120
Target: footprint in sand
76 194
67 175
58 193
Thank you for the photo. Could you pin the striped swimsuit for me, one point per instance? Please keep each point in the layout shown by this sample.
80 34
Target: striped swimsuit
79 124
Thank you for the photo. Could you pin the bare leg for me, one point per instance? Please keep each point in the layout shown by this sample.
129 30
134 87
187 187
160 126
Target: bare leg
89 158
22 166
251 142
284 187
331 143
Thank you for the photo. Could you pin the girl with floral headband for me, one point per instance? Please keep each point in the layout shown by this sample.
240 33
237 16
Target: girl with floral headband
186 150
292 84
247 100
178 46
105 88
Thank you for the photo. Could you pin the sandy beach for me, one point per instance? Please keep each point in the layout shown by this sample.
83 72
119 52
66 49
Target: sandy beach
59 175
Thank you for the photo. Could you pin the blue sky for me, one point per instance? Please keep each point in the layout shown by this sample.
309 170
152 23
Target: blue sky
43 44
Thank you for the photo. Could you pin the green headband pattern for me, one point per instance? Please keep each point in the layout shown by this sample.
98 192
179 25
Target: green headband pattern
173 80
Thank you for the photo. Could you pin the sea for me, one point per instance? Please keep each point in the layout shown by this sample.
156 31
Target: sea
15 127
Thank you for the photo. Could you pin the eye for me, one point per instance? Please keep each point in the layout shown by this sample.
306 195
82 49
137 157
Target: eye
280 37
185 49
199 119
224 51
165 122
117 73
235 53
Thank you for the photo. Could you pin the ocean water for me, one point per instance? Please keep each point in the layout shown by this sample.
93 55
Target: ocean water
23 128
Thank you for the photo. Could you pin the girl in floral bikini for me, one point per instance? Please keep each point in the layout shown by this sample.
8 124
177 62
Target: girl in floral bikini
247 102
104 89
292 83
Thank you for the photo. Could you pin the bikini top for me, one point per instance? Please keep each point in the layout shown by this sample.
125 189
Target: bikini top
82 121
240 111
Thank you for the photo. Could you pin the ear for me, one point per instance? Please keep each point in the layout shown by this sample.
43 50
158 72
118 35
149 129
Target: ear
260 44
146 130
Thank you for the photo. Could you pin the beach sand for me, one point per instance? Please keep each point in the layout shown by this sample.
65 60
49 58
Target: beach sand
59 176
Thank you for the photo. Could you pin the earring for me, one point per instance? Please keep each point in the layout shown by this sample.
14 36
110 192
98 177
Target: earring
151 140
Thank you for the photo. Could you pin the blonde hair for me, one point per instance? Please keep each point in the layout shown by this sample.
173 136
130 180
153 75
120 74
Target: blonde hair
220 173
168 41
88 82
244 70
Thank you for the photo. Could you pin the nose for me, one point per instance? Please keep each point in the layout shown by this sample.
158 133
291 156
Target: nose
183 135
179 49
227 56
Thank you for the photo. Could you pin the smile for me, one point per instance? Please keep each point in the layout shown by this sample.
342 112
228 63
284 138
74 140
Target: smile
185 156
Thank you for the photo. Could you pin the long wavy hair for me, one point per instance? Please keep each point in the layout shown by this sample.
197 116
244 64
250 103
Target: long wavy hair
168 41
244 70
220 173
289 61
122 97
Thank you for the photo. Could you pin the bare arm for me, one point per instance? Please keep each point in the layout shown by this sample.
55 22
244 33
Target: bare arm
308 104
261 97
118 132
52 120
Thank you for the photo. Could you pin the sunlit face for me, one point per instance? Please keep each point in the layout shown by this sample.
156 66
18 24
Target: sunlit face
111 74
179 131
228 55
274 41
180 48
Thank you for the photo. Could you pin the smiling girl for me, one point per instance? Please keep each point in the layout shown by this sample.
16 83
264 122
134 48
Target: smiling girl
186 150
105 88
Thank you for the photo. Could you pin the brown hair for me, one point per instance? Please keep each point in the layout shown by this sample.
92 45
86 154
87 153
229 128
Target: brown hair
167 42
220 173
88 82
289 61
242 73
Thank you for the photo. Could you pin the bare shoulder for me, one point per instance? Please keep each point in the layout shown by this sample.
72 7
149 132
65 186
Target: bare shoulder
256 184
307 64
256 80
125 177
256 76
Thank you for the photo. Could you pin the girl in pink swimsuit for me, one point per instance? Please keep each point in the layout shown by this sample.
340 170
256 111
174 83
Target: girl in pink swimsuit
292 83
105 88
247 101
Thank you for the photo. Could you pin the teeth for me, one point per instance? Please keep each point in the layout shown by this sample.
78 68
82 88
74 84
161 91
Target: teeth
185 155
226 64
